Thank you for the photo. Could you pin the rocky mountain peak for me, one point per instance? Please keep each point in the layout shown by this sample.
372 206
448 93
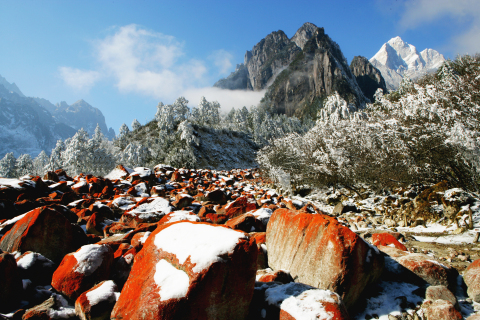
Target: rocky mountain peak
368 77
304 33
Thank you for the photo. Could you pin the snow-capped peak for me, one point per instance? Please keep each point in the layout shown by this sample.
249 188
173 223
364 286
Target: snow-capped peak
397 58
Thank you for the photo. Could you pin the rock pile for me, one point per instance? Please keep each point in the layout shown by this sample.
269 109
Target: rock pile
174 243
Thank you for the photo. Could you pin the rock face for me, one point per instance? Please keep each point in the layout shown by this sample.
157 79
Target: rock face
318 71
397 59
41 230
368 77
189 270
319 251
304 34
472 280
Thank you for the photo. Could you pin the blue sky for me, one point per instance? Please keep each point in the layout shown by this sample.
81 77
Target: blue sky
123 57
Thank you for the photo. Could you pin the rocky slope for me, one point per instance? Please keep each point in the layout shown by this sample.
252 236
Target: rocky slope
369 78
27 127
397 59
266 60
175 243
318 71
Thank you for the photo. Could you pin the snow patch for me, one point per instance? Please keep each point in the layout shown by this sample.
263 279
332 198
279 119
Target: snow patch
173 283
203 244
105 292
89 258
308 305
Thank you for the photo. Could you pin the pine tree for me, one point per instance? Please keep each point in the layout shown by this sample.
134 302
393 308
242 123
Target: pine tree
8 167
136 125
24 165
41 164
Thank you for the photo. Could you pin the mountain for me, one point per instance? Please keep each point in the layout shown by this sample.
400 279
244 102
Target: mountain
299 72
369 78
266 60
397 59
12 87
26 126
318 70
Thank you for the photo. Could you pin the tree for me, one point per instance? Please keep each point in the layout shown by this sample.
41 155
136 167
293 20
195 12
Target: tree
8 167
24 165
76 157
41 164
136 125
56 159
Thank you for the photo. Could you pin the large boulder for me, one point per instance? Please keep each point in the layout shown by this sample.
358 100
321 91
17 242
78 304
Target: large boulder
10 283
97 303
43 230
472 280
81 270
319 251
190 270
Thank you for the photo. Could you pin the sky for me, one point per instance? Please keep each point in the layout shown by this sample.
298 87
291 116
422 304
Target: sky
124 57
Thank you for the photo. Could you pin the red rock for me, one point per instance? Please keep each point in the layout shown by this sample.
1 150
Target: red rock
55 307
181 215
430 270
319 251
97 303
182 200
95 224
190 270
386 239
246 223
121 250
441 293
139 239
206 209
279 276
81 270
42 230
10 283
239 206
472 280
440 310
50 175
260 237
217 196
122 267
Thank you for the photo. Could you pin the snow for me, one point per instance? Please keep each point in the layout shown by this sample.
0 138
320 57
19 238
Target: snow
12 221
276 295
29 259
159 206
142 172
123 203
118 174
183 216
466 237
308 305
64 311
89 258
173 283
203 244
263 215
79 184
145 237
105 292
14 183
386 302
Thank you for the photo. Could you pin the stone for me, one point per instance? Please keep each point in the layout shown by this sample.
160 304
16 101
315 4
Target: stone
55 307
81 270
472 280
190 270
386 239
98 302
246 223
36 267
43 230
319 251
440 310
441 293
281 276
10 283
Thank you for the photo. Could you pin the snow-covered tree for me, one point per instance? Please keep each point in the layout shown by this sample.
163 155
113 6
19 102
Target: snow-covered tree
41 164
24 165
136 125
8 167
75 157
56 159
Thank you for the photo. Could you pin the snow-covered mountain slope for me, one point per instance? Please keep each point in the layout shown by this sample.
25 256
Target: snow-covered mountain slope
397 59
27 127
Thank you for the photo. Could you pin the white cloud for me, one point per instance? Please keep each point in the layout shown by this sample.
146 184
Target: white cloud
466 12
222 60
228 99
79 79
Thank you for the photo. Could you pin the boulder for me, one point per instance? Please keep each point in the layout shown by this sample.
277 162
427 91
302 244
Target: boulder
81 270
319 251
441 293
189 270
268 275
472 280
37 268
386 239
97 303
43 230
440 310
246 223
10 283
